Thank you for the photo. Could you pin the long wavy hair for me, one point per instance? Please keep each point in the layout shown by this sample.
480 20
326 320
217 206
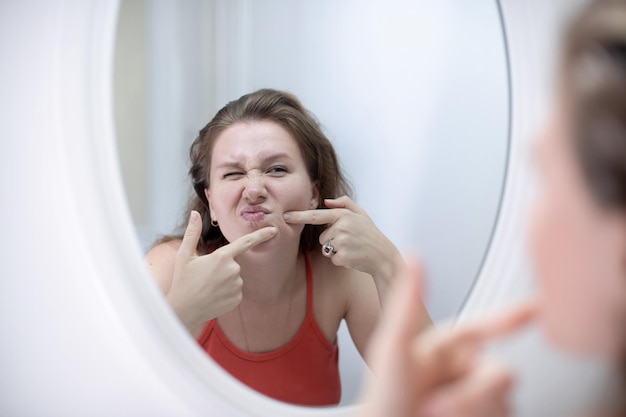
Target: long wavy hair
264 105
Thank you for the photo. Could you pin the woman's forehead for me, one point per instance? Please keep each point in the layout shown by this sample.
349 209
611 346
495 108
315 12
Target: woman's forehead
261 140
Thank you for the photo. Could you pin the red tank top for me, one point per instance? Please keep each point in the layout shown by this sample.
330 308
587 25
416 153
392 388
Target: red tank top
304 371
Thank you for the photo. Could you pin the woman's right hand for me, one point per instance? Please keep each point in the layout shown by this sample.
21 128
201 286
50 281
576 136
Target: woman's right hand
207 286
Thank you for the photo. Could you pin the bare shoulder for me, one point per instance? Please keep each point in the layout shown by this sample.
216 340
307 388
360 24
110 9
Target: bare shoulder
332 271
161 259
163 251
344 284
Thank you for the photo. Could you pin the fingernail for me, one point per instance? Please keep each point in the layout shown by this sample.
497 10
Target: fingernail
193 217
286 216
273 230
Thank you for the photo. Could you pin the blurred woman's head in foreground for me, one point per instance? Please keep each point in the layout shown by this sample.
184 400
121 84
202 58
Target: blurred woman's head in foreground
579 219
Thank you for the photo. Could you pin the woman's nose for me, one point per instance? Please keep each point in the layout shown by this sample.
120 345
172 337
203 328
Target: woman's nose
254 189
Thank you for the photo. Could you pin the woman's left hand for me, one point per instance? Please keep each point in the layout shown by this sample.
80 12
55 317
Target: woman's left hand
356 241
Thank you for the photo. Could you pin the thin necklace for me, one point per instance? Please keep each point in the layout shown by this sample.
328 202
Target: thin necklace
282 335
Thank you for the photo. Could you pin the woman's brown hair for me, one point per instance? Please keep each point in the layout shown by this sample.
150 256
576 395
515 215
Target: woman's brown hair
593 84
286 110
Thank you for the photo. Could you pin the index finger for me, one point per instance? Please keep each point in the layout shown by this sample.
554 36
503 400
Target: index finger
452 354
499 324
318 216
246 242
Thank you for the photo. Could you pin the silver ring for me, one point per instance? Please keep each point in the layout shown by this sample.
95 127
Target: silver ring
328 250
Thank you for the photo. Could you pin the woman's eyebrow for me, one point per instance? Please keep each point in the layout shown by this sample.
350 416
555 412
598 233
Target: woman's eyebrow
264 159
228 164
275 156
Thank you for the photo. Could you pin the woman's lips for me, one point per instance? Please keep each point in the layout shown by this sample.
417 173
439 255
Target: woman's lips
254 214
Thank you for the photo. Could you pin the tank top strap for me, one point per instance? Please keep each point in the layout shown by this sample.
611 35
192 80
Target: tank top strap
206 333
309 284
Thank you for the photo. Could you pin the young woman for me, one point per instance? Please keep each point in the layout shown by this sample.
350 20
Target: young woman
578 245
275 253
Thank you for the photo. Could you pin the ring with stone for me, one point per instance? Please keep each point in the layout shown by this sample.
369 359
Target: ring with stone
328 250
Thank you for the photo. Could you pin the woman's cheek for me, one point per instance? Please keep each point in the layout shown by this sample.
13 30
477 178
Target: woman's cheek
547 259
562 260
540 239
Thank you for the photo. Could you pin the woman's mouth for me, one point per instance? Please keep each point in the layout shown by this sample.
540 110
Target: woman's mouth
254 214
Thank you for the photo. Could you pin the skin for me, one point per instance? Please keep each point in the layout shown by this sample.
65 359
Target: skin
261 196
579 251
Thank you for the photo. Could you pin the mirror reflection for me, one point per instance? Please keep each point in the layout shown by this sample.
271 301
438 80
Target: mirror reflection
411 95
247 276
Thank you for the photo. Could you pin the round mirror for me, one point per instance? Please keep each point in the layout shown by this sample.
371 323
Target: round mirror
413 94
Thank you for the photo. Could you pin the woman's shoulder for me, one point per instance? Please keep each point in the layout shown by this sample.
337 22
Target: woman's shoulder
161 259
353 293
163 250
328 274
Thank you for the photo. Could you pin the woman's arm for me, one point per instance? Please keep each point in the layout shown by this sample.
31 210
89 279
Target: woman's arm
363 310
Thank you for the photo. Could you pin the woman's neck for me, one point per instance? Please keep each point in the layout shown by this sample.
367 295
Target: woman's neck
269 276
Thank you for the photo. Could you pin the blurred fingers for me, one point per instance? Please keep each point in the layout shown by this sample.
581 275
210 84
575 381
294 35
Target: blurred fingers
449 355
484 392
496 325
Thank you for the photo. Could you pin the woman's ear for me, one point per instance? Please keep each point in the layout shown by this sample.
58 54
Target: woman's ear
315 196
207 194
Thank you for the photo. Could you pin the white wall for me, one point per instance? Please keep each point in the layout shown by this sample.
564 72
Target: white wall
131 106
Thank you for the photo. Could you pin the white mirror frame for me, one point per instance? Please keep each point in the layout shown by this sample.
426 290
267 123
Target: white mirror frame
71 262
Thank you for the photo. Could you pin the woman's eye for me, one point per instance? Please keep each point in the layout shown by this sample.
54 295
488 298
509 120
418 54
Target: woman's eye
277 170
232 175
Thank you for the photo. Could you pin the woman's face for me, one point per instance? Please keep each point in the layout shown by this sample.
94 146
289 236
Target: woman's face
579 252
258 173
